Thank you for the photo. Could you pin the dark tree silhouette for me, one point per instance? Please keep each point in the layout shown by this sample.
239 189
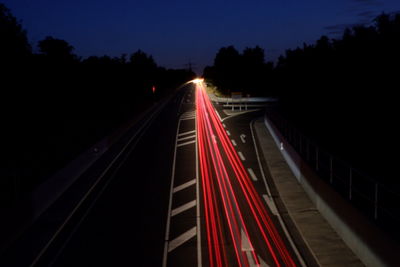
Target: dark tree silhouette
14 43
227 68
247 72
140 60
57 105
57 50
341 92
253 69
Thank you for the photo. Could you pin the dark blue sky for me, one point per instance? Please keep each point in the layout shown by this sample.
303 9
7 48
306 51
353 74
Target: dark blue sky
176 31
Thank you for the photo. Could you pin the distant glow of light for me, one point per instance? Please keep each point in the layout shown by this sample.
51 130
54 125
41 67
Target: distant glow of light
198 80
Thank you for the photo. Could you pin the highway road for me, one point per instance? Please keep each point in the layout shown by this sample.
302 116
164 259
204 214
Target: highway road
185 187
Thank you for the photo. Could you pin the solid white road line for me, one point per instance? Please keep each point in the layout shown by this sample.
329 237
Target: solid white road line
242 137
271 204
166 242
187 137
186 143
183 208
228 133
258 159
233 142
181 239
252 174
241 156
184 186
185 133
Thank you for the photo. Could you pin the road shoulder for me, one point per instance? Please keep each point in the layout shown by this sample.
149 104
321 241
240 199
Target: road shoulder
319 243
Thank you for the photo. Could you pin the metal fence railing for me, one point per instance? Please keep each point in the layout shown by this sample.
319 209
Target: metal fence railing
376 200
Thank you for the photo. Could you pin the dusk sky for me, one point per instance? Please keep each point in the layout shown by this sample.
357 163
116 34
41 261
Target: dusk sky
176 32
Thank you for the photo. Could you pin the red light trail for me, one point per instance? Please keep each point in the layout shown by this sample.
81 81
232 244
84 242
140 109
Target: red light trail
221 168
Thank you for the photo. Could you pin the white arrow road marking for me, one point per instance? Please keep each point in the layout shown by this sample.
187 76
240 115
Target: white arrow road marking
245 242
250 258
242 137
262 262
248 249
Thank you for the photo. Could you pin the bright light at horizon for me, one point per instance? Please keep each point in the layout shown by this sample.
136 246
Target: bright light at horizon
198 80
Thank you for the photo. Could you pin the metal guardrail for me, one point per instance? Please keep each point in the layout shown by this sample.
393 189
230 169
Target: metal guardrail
374 199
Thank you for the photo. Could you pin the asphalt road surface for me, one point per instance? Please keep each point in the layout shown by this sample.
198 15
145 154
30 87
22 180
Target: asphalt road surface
185 188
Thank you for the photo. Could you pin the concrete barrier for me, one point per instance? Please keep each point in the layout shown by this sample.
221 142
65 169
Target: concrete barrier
370 244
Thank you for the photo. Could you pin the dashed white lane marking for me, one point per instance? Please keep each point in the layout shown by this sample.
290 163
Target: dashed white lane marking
228 133
186 138
184 186
252 174
181 239
242 137
234 142
183 208
241 156
271 204
186 143
186 133
224 125
218 115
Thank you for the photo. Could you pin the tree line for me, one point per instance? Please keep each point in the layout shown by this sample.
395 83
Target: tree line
341 92
54 104
246 72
